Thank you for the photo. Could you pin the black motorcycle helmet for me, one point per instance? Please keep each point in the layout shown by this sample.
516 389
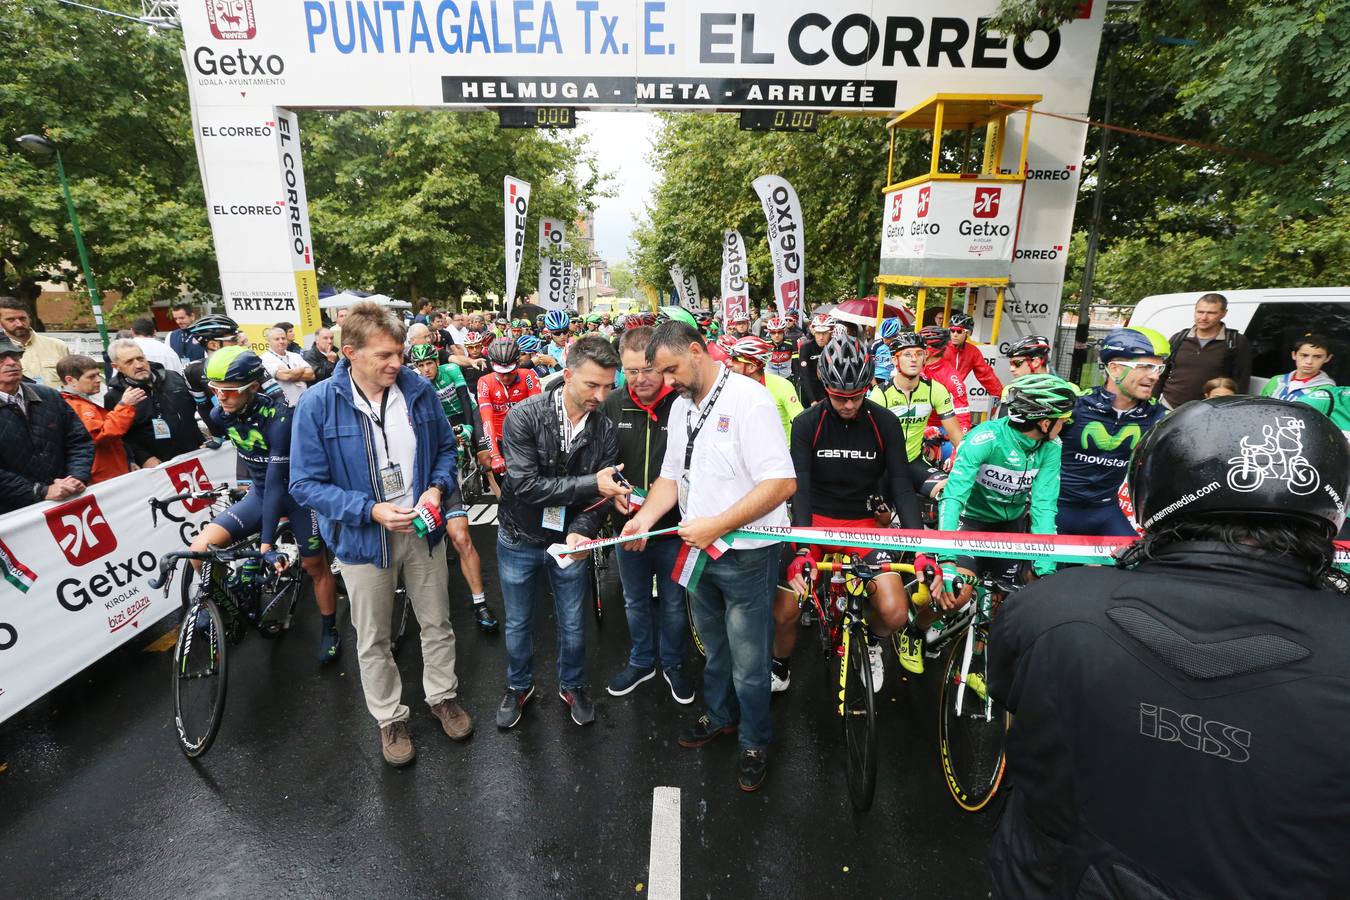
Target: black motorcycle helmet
1242 456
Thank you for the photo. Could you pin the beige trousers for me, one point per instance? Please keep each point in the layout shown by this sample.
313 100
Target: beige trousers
371 592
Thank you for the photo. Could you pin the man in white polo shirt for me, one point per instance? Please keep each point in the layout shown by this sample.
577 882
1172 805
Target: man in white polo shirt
726 465
286 366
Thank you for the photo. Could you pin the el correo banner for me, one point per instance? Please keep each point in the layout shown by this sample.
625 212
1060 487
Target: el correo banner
557 278
787 245
950 229
735 298
852 55
73 575
515 205
686 287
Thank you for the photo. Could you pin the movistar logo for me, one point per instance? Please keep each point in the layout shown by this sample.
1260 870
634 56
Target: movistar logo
1101 439
249 442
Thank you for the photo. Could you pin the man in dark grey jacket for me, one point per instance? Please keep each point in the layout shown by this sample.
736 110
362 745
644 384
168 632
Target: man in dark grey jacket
560 449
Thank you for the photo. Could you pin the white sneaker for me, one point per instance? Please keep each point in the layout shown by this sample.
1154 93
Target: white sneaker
878 666
778 684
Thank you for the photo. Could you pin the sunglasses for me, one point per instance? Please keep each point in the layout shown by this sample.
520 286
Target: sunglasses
1150 368
1018 362
957 329
222 391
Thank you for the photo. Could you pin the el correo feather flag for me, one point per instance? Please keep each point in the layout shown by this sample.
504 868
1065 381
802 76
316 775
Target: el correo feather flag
516 203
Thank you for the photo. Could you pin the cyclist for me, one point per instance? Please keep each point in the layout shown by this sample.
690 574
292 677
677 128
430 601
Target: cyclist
1005 467
842 448
259 426
557 323
938 367
913 398
965 357
738 324
808 384
783 351
463 415
883 353
517 328
1332 402
533 355
212 333
679 314
1029 355
498 391
473 364
1108 423
749 356
1197 689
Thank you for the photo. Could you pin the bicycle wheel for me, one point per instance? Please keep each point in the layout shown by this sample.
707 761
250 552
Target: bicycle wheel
857 707
199 676
402 611
276 601
972 730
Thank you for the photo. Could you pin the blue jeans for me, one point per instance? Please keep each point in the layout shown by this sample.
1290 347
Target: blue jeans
671 635
519 567
733 614
1102 520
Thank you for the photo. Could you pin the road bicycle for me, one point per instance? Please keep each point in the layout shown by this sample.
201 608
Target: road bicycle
840 612
474 486
234 590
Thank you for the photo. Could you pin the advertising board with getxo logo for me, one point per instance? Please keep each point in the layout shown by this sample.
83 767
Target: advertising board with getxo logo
74 575
950 229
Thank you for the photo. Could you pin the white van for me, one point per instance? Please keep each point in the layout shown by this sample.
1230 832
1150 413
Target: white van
1271 320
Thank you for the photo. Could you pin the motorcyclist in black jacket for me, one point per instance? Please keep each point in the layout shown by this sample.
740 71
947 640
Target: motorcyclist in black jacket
1180 722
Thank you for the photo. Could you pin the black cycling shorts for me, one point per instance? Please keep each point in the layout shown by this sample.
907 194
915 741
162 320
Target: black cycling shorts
1002 570
245 518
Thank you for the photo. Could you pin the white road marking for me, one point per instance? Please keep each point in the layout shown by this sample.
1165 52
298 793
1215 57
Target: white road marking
483 514
663 862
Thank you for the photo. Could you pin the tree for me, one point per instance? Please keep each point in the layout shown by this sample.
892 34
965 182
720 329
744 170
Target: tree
622 279
410 202
112 94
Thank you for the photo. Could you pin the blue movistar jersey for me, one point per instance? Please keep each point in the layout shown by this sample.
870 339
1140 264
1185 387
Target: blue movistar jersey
1098 443
261 434
883 362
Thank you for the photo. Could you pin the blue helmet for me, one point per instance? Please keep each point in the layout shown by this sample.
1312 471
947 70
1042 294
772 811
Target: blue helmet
528 343
556 320
1127 343
889 328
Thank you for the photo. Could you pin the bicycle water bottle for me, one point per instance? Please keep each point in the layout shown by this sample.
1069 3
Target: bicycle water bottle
837 589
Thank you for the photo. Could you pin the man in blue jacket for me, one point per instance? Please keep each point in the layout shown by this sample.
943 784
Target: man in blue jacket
373 455
1108 423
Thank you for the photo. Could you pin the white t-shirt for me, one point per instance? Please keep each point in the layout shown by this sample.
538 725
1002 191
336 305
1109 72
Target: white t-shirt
157 351
272 361
741 444
398 430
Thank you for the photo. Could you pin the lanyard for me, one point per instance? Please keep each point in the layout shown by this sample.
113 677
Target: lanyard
380 419
693 430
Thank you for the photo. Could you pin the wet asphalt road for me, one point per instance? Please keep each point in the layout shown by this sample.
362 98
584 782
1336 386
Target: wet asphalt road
294 800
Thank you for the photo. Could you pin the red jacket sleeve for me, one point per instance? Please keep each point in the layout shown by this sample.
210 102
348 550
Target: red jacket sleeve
984 373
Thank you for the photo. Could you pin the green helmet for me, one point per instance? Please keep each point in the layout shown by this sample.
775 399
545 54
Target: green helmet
677 314
1034 398
238 365
593 319
420 352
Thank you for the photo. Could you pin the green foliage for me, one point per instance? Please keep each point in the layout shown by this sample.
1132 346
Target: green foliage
708 166
410 203
113 97
622 279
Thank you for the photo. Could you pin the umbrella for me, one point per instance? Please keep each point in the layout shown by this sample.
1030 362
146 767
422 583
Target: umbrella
337 301
863 311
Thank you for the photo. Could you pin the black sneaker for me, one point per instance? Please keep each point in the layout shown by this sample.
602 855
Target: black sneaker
702 731
513 706
330 645
487 622
631 676
752 768
680 688
583 710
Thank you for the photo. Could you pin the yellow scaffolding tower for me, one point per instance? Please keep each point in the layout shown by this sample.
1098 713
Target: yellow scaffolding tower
952 112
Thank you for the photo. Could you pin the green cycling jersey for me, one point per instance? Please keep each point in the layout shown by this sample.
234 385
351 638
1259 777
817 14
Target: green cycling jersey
1332 402
449 381
996 472
785 398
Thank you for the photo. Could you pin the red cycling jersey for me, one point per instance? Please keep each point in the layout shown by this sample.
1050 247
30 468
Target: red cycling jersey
943 371
967 359
496 399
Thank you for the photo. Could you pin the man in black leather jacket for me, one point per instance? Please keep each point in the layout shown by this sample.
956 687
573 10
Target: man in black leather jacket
1180 722
166 423
560 450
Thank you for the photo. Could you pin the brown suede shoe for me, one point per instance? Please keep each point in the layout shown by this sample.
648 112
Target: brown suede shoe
454 719
396 742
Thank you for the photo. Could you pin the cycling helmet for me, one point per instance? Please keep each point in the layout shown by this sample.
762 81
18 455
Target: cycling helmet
845 366
593 319
889 329
676 314
419 352
935 337
556 320
1033 346
639 319
621 322
720 349
500 320
1243 456
905 339
960 320
213 328
237 365
738 317
1035 398
752 348
823 322
518 323
1128 343
504 354
530 344
473 338
775 324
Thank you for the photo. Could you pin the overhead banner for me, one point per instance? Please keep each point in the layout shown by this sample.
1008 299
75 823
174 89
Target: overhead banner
787 245
950 229
515 206
73 575
686 288
735 295
557 275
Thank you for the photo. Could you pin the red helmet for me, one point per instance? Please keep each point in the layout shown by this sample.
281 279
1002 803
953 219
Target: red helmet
752 348
775 324
935 337
473 339
823 322
719 352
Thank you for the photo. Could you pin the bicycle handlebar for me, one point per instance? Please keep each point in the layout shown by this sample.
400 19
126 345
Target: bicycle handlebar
169 561
903 568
